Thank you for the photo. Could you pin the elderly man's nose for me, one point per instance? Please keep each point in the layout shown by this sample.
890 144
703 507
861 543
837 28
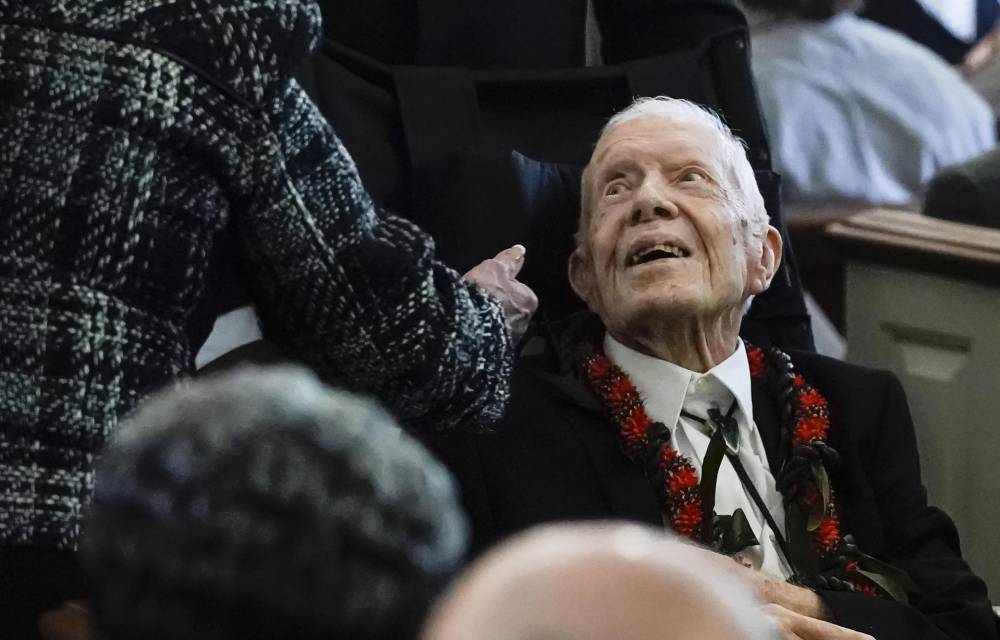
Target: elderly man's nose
652 209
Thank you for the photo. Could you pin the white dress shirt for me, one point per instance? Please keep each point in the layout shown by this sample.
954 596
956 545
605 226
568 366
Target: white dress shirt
666 389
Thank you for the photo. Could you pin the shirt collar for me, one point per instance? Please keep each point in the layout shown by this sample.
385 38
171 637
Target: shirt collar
663 386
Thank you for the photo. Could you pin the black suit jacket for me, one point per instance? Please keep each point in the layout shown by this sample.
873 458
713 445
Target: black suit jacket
556 457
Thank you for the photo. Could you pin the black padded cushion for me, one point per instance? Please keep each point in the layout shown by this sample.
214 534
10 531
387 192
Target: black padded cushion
437 145
478 202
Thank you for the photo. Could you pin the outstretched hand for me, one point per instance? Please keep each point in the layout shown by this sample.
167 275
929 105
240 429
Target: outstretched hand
794 626
498 276
797 612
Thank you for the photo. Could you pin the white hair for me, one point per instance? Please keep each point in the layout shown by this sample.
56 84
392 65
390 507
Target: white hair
745 200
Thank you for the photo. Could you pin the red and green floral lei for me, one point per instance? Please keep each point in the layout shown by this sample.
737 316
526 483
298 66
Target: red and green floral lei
806 425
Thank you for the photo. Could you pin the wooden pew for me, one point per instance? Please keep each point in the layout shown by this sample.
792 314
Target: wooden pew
923 300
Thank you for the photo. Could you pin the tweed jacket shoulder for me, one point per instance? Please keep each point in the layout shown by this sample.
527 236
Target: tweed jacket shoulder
131 135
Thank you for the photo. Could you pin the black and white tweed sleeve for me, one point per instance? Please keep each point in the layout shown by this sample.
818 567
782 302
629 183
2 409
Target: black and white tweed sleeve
357 293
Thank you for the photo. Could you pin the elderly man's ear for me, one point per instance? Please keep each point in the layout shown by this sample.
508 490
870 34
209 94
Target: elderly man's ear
766 263
581 276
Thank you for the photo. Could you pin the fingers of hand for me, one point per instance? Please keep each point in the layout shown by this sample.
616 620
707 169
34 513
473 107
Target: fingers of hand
517 326
512 259
782 621
488 274
494 276
497 278
519 307
794 626
524 299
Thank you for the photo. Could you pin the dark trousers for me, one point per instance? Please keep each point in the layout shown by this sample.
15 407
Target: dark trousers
32 581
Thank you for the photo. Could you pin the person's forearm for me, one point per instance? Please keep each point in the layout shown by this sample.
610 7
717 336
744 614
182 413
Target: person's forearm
359 295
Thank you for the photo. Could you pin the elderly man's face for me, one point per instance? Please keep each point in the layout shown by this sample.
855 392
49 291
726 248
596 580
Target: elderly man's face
662 241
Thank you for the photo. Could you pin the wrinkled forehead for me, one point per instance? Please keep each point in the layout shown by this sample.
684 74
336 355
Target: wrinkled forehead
662 139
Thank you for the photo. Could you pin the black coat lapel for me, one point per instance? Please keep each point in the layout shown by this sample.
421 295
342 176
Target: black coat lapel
765 416
629 494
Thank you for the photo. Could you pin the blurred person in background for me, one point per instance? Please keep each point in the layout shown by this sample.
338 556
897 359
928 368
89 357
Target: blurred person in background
261 504
146 143
857 112
604 582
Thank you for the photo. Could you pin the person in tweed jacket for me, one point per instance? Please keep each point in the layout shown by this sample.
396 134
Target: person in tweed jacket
136 138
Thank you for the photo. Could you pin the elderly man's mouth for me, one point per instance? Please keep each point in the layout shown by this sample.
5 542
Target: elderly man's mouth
658 251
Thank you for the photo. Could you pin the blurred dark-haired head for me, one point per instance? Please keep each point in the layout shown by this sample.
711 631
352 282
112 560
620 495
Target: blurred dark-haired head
262 504
802 9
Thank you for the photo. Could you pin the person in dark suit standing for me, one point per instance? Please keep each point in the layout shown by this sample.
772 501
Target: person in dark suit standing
651 408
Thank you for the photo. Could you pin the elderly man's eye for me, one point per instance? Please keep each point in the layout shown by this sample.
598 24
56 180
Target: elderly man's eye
693 175
615 189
